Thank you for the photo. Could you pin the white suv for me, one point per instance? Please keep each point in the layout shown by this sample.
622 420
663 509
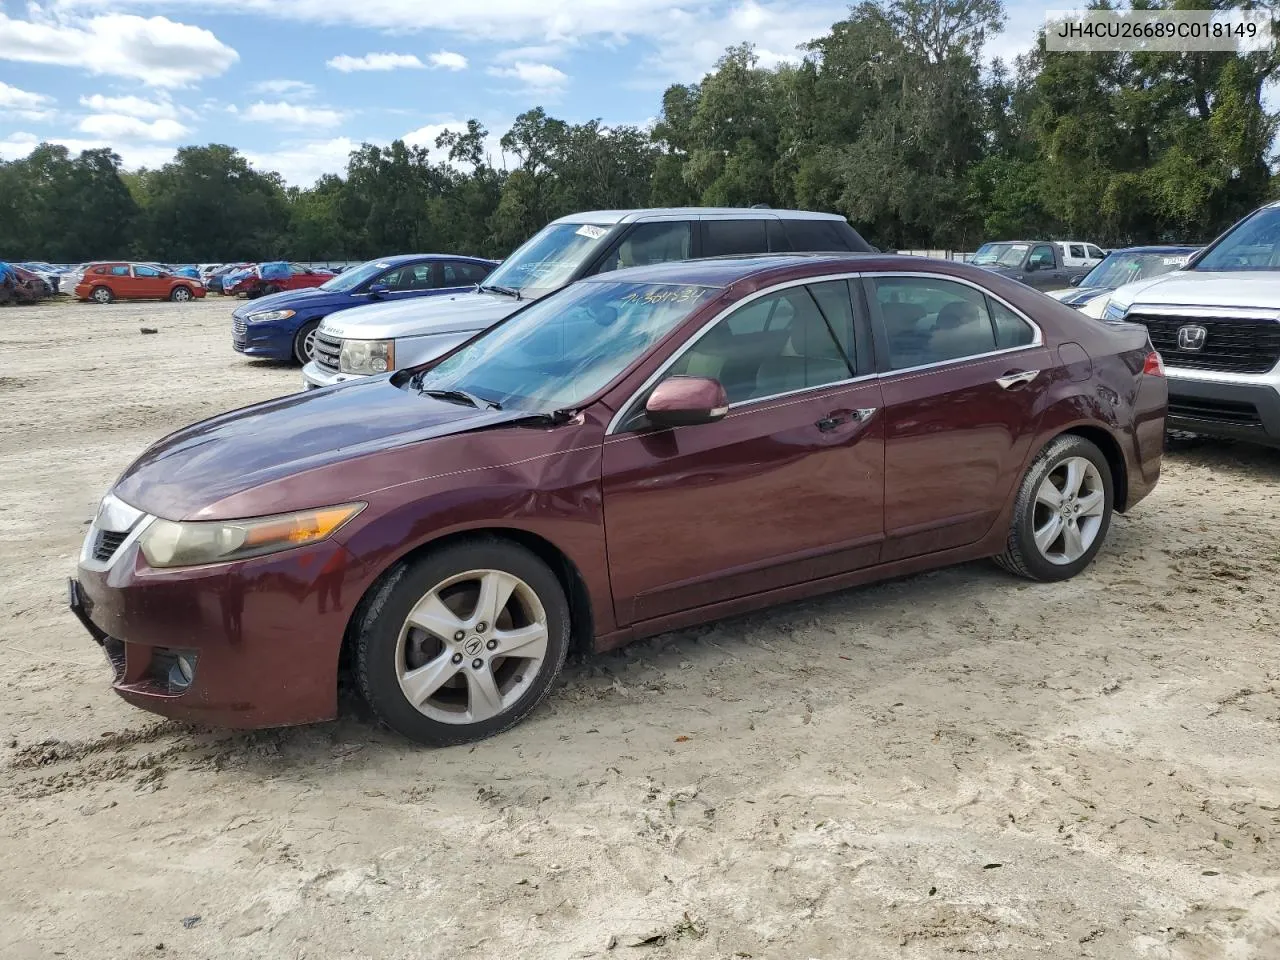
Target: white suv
390 336
1216 322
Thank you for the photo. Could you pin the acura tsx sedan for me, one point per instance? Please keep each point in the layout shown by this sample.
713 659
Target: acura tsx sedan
641 451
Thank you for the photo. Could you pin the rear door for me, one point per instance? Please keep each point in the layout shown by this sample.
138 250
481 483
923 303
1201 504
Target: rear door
961 373
787 488
122 283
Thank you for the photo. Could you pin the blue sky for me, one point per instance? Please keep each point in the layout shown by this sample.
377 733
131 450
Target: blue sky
296 84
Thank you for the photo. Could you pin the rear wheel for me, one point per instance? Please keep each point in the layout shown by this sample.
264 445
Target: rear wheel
180 294
304 342
1062 513
462 643
101 295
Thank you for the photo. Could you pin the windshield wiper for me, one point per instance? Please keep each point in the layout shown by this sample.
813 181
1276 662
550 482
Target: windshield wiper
507 291
464 397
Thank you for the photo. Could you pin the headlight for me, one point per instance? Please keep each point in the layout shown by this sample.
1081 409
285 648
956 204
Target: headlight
268 315
1113 311
169 544
367 356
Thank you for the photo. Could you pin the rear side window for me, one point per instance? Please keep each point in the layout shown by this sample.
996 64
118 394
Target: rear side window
1077 252
100 271
656 242
1010 329
819 236
119 271
463 274
928 320
722 238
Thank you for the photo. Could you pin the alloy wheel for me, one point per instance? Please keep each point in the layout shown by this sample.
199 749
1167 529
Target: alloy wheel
102 295
471 647
1069 510
309 344
182 295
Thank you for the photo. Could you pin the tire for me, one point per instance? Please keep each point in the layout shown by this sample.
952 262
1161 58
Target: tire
304 342
180 294
269 289
101 295
459 694
1075 465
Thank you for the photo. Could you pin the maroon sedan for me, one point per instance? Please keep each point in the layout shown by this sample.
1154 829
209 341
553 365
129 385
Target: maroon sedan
642 451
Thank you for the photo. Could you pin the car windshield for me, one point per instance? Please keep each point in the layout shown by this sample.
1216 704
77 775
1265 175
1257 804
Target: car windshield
348 280
1120 268
556 353
549 260
1000 254
1253 245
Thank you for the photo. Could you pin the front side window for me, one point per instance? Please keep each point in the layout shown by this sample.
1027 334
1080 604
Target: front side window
1042 256
1252 245
722 238
348 280
549 260
141 271
555 354
412 276
774 345
649 243
929 320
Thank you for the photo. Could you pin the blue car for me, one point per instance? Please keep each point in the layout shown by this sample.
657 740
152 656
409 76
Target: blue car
282 326
1125 266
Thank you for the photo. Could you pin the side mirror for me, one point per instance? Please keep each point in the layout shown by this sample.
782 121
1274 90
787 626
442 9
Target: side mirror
378 289
683 401
1075 281
1033 265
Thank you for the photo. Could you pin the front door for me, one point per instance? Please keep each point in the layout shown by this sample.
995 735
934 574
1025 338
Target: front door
1044 269
789 487
961 375
148 283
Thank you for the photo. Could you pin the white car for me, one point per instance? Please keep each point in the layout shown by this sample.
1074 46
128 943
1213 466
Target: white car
1078 254
1216 323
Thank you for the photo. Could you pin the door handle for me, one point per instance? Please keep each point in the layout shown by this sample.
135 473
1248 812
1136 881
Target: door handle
835 418
1017 378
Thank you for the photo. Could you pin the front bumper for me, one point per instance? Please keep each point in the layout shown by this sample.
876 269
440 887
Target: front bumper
1238 407
315 376
263 634
268 341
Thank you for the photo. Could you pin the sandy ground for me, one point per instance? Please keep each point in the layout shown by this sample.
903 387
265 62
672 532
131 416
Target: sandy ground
955 763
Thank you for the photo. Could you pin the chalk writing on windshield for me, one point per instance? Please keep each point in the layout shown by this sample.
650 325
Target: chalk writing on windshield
653 295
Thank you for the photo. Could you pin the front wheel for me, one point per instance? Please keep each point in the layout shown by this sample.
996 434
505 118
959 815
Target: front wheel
304 343
462 643
1062 513
180 295
269 289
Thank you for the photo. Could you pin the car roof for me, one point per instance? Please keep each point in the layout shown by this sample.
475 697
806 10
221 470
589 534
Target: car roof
614 217
1159 248
724 271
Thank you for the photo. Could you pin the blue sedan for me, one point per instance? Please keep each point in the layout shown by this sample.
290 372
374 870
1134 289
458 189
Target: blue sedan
283 326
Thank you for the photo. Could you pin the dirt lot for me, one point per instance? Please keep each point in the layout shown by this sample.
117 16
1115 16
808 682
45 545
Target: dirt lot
954 763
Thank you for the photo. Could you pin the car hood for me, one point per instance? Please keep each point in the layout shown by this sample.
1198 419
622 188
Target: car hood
1240 289
190 475
312 298
1075 296
471 310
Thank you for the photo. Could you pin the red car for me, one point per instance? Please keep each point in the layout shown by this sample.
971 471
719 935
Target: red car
297 277
104 282
641 451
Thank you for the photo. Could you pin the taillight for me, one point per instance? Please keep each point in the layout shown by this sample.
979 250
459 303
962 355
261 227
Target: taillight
1153 366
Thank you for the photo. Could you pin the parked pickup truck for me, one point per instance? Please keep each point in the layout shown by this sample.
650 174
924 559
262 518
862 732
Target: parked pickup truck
1042 264
1216 323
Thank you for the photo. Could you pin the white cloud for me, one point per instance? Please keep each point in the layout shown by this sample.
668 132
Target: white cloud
36 107
116 126
292 115
132 107
447 60
535 77
299 88
157 51
18 145
303 164
375 61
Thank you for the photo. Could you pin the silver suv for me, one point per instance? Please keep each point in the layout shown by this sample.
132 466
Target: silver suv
388 336
1216 323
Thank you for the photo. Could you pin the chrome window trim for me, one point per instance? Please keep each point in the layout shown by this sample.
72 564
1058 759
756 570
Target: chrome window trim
654 377
1037 338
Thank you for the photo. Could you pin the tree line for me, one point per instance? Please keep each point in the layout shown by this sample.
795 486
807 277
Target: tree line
894 118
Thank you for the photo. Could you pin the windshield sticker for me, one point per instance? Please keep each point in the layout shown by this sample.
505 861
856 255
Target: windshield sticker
1174 261
591 231
666 295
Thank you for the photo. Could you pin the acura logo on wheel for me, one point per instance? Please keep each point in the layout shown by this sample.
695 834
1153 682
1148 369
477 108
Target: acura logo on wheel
473 646
1192 337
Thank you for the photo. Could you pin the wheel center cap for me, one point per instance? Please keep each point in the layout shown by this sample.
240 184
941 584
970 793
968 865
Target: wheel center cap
472 646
